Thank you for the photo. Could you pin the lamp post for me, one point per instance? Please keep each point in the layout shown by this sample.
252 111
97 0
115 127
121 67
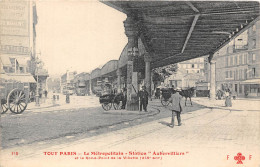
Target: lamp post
37 99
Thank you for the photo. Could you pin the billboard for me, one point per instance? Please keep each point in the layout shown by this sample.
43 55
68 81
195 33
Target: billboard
14 27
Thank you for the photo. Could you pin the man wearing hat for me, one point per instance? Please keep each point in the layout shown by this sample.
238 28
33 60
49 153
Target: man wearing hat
176 106
143 95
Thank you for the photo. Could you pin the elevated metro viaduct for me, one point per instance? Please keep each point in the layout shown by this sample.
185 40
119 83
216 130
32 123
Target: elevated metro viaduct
175 31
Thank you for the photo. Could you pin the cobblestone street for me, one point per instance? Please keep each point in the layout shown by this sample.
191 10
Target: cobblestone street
208 135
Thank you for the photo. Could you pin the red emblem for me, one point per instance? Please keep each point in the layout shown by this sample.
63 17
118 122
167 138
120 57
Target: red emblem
239 158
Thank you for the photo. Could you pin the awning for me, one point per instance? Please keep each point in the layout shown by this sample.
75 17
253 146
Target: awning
5 60
23 60
251 81
18 78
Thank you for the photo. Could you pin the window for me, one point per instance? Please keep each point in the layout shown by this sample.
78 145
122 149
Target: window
198 71
245 59
235 60
192 66
253 58
226 62
226 74
231 61
253 43
21 70
231 75
240 59
240 88
253 72
12 61
245 73
249 58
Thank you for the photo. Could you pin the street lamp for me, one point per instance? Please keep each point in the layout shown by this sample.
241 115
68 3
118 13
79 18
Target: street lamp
37 100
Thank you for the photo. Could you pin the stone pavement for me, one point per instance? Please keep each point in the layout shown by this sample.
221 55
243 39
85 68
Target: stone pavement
211 136
76 102
245 104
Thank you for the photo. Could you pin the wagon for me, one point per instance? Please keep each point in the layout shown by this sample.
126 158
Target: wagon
111 99
14 94
166 94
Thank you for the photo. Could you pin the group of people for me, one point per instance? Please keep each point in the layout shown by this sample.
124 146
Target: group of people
142 95
32 94
175 101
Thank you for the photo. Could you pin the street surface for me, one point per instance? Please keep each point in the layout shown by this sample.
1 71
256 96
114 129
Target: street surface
211 135
74 122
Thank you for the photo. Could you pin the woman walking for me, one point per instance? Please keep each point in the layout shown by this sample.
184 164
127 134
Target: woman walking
228 102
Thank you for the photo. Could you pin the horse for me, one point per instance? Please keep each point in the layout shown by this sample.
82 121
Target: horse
187 93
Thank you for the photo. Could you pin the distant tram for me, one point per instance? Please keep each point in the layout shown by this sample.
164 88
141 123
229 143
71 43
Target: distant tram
81 88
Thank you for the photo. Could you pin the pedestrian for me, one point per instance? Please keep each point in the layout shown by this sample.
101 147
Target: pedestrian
175 107
45 93
124 98
143 95
228 102
40 93
67 97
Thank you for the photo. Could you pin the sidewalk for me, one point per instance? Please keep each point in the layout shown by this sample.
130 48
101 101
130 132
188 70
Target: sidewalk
207 138
244 104
76 102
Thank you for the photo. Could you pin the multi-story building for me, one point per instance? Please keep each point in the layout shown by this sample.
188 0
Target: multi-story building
18 43
188 74
193 66
237 64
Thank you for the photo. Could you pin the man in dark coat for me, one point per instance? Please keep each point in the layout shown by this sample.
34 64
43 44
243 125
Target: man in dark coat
176 106
143 95
124 98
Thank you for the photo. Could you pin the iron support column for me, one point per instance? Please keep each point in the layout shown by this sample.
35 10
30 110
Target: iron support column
119 74
147 81
131 31
212 79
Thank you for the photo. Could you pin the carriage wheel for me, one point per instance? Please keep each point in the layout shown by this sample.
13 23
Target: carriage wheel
4 107
16 101
117 105
165 102
106 106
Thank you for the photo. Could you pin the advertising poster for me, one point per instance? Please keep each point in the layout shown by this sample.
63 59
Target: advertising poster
114 83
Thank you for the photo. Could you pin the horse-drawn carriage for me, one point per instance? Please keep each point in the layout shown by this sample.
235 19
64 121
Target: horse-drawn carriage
14 95
166 94
111 99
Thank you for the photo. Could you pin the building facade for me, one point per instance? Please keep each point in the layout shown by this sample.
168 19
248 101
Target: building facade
17 43
188 74
237 64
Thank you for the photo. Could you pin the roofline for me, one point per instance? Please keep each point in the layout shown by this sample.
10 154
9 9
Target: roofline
108 3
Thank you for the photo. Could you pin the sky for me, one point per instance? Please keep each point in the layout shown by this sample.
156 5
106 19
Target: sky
78 35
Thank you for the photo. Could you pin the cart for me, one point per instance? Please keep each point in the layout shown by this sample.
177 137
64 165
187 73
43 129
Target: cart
111 99
166 94
14 96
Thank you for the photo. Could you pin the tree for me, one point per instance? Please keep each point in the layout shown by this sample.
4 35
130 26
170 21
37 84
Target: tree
166 71
160 73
